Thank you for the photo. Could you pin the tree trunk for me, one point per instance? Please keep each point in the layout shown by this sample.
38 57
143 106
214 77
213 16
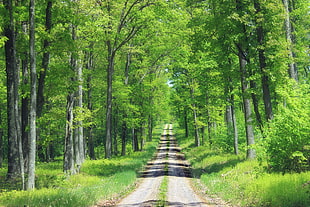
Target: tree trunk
45 59
150 128
42 74
91 147
124 136
115 126
25 108
246 105
33 100
68 150
203 135
135 143
142 136
234 121
262 63
78 135
196 129
232 130
110 70
292 66
15 155
256 105
197 138
185 123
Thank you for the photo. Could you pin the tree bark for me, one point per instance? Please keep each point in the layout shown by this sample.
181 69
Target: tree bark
135 143
79 135
45 59
263 66
236 136
150 128
196 129
110 70
292 66
42 74
25 105
246 104
185 123
231 124
15 155
256 104
68 150
33 99
124 136
91 147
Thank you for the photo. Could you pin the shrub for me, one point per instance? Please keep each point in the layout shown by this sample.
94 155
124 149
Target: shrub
288 142
288 136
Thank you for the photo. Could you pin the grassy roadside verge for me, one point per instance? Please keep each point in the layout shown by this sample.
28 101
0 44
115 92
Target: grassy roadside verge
99 180
246 183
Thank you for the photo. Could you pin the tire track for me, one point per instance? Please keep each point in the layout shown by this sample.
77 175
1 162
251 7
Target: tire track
171 163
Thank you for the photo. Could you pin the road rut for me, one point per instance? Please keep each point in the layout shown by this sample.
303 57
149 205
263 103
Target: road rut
171 163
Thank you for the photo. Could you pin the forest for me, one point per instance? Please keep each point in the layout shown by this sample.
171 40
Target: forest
86 85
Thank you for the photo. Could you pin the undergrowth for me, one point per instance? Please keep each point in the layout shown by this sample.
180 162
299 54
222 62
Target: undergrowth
98 180
246 183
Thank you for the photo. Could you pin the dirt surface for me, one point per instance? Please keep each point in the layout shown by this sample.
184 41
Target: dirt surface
169 162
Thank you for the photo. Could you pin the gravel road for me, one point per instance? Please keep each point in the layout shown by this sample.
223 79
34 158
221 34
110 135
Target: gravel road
171 163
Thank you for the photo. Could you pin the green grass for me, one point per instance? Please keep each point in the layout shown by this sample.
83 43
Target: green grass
246 183
162 197
99 180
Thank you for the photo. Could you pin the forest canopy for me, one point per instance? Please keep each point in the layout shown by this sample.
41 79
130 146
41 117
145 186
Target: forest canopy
90 79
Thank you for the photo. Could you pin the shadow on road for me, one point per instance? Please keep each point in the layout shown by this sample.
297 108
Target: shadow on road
167 161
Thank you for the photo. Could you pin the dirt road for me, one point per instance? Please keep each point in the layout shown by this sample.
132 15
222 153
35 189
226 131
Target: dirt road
171 163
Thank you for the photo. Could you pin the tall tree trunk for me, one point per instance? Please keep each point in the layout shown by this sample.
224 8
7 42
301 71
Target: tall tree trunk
236 137
124 118
262 63
256 104
15 155
91 147
110 70
42 73
246 104
45 59
124 136
142 135
115 126
68 150
135 143
196 129
25 107
33 99
79 136
150 128
232 130
186 123
292 66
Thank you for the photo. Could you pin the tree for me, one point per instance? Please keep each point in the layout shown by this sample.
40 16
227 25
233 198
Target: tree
122 31
262 60
33 102
15 156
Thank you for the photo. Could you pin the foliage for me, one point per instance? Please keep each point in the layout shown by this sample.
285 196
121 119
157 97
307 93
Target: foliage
288 138
246 183
98 180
